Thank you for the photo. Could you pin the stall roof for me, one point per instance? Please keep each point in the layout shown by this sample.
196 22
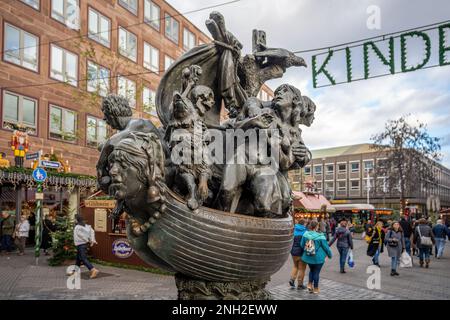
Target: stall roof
311 201
352 206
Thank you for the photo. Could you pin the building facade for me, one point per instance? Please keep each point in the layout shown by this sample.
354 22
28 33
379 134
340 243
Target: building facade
346 175
59 57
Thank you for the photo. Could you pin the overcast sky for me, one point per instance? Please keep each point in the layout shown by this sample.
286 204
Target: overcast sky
347 113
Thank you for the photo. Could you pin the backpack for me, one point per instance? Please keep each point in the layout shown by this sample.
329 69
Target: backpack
310 248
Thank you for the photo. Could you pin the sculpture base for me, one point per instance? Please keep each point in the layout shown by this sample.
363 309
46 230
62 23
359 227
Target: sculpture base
194 289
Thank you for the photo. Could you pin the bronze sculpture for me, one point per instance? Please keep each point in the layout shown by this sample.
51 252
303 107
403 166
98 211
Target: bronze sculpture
224 227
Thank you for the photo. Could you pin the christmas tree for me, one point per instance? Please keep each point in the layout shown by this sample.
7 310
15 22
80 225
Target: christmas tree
62 241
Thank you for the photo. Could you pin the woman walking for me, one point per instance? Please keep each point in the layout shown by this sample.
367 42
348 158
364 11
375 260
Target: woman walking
376 242
83 234
21 234
424 240
298 270
395 242
315 250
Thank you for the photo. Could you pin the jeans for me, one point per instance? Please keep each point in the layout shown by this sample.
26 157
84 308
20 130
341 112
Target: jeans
408 245
343 252
424 253
7 242
314 273
440 245
394 263
82 257
376 257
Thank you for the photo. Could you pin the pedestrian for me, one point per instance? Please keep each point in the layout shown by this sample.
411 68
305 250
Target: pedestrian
298 270
344 243
84 235
8 225
315 250
47 230
322 225
395 243
376 237
21 234
351 228
333 226
368 225
407 232
440 232
424 240
414 224
327 228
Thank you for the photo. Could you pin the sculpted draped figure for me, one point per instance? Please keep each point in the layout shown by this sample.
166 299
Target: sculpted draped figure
207 199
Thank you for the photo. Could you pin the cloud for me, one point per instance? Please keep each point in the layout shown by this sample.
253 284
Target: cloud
349 113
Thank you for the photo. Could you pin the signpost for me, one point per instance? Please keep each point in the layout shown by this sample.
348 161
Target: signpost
32 156
39 175
50 164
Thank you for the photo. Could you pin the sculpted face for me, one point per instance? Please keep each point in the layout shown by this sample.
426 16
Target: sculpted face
125 178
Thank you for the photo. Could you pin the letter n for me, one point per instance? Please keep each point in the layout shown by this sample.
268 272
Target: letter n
388 62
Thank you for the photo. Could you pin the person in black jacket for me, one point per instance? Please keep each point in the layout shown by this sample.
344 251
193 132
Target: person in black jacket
344 243
407 232
422 231
376 243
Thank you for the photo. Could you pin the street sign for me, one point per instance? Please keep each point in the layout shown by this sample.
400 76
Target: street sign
50 164
39 175
32 156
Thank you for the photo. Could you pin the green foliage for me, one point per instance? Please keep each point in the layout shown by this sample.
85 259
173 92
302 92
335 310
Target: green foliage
62 241
322 69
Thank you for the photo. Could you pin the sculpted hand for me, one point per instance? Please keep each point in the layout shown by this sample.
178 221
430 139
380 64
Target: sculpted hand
203 190
262 121
299 151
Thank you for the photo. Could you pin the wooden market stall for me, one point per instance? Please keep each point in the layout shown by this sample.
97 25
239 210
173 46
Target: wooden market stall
311 205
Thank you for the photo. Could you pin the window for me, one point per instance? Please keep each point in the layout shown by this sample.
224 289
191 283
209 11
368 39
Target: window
148 101
127 44
66 12
152 14
20 47
95 131
368 165
99 27
318 170
307 171
64 65
19 110
32 3
188 40
354 185
329 186
355 166
342 167
98 79
130 5
151 57
168 62
330 168
127 89
342 185
63 123
171 28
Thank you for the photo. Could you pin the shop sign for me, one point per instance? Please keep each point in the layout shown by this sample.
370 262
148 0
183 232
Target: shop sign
121 248
100 220
39 196
32 156
50 164
107 204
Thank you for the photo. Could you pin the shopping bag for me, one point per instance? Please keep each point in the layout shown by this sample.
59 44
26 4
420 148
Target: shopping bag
363 235
350 261
405 260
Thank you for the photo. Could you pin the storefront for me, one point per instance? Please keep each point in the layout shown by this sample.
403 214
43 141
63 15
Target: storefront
311 205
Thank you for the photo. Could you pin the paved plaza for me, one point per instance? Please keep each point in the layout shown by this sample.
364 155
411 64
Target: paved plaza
20 278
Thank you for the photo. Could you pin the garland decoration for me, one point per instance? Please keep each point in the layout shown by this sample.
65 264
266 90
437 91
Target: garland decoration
388 62
442 48
403 50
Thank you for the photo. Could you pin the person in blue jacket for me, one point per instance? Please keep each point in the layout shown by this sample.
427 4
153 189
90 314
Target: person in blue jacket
315 250
298 270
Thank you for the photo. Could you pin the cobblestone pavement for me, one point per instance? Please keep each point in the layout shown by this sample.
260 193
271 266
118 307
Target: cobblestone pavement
20 278
413 283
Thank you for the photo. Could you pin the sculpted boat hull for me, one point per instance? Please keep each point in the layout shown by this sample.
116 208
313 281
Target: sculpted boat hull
219 246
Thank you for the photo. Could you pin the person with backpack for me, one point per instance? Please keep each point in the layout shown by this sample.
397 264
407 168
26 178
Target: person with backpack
395 242
424 240
315 250
84 235
375 239
344 243
298 270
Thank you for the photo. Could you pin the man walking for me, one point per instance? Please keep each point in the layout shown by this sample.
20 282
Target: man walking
344 243
440 232
7 231
407 232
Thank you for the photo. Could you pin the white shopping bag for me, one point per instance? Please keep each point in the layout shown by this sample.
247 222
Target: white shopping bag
405 260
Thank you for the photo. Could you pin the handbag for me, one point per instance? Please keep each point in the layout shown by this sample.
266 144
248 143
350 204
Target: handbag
424 241
392 242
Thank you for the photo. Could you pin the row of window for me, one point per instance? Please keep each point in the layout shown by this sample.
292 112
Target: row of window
342 167
99 26
21 48
63 123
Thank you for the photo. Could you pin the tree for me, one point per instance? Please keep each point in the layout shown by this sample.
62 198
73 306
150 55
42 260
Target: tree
63 246
411 154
